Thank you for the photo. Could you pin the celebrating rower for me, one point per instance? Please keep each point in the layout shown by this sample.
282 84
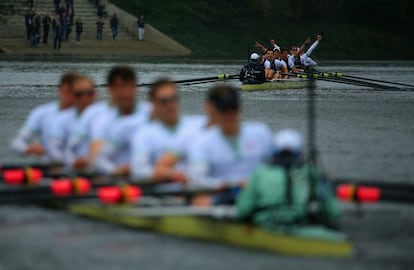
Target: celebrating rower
37 125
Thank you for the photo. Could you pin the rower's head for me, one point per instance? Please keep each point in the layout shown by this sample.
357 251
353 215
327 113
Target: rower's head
293 49
165 100
122 87
84 92
284 54
288 147
254 58
225 107
276 53
269 55
66 98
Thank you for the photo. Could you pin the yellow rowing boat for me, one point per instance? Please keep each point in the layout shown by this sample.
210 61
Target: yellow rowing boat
279 84
211 224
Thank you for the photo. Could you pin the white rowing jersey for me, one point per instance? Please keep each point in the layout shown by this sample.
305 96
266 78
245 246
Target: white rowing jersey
119 133
61 130
155 139
215 159
80 134
37 127
279 64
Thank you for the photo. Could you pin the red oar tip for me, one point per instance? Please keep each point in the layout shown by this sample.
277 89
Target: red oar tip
61 187
14 176
368 194
109 195
347 192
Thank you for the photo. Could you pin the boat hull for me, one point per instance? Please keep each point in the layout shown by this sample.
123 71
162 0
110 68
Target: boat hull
299 241
280 84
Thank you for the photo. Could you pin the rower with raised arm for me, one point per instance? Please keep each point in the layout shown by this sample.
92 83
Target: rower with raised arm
294 58
228 152
278 193
272 47
33 137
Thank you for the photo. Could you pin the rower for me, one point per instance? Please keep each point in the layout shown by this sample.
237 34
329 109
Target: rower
273 46
117 128
305 58
37 125
253 72
280 66
169 133
228 152
294 58
279 193
65 128
269 65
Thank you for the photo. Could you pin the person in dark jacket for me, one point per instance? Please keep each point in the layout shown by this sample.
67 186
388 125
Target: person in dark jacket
253 72
46 27
79 29
114 26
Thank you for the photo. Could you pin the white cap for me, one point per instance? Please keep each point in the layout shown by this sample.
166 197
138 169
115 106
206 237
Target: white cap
288 139
254 56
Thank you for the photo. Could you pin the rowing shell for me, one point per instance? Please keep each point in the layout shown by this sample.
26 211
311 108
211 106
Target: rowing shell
279 84
208 224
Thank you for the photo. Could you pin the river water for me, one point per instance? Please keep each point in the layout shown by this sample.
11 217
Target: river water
362 133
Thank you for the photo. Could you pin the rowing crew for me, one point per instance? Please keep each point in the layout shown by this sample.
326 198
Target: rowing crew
151 140
277 63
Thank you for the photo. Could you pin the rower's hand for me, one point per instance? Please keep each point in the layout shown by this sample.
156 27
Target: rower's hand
123 170
318 37
178 177
35 149
80 163
308 40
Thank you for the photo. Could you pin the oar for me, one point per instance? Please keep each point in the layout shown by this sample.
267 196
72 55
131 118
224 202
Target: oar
303 75
340 75
204 79
207 79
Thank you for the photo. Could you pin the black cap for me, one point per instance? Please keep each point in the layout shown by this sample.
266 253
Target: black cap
224 97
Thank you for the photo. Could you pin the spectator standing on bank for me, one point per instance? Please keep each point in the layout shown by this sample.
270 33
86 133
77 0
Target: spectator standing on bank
64 24
46 27
57 33
28 20
99 28
141 27
79 30
114 26
38 26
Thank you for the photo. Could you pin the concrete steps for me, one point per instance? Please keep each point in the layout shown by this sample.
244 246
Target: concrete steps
13 32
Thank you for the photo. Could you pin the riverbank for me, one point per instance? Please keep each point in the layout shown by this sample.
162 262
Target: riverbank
14 42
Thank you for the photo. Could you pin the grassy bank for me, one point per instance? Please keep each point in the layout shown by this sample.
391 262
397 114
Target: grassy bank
352 29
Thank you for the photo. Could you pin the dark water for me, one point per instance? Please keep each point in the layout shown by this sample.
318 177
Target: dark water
361 132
